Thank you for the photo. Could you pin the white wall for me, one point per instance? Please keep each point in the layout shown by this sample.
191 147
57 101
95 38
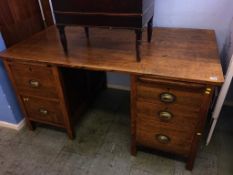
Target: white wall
228 54
207 14
9 108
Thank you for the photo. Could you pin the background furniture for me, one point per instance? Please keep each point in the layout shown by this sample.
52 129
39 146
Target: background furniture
221 99
169 97
128 14
19 20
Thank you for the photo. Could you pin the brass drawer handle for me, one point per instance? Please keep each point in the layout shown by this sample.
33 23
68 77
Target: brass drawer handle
25 99
34 83
163 138
165 116
43 111
167 97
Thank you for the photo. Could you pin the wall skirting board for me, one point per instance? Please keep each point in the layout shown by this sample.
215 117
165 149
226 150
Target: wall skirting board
119 87
16 127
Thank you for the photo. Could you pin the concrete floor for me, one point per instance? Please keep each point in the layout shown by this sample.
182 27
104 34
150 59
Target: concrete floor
102 146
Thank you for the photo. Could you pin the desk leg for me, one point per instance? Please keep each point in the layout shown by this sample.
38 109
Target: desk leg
31 125
138 43
63 38
86 32
59 82
205 104
133 115
149 30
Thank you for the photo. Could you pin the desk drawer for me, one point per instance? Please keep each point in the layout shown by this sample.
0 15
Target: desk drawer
169 93
170 116
34 79
162 138
167 115
43 110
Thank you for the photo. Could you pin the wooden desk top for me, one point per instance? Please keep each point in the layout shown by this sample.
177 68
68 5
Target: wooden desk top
177 54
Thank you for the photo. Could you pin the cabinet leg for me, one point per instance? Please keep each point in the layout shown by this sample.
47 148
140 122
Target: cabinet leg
192 155
86 32
63 39
138 43
71 134
149 30
30 125
133 141
133 149
189 164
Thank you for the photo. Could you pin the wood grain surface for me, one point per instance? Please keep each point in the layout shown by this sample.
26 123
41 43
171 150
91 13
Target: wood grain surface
182 119
179 133
52 110
176 54
24 74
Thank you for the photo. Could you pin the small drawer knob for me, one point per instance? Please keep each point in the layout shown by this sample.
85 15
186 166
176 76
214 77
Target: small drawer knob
25 99
163 138
165 116
34 83
167 97
43 111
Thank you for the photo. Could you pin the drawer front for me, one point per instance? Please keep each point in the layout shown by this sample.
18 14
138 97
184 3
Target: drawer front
43 110
103 6
165 94
35 80
159 137
169 116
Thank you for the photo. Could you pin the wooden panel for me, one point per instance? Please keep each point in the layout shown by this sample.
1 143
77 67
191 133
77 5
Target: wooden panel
100 20
26 74
133 107
200 127
183 132
180 142
109 6
74 93
81 86
185 112
175 54
43 110
19 20
184 96
182 119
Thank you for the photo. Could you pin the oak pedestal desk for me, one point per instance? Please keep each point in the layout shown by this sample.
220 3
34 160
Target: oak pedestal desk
171 88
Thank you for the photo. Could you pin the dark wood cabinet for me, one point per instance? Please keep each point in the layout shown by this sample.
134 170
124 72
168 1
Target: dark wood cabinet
129 14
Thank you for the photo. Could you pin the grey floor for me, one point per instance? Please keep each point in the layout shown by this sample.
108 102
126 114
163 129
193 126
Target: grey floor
102 147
